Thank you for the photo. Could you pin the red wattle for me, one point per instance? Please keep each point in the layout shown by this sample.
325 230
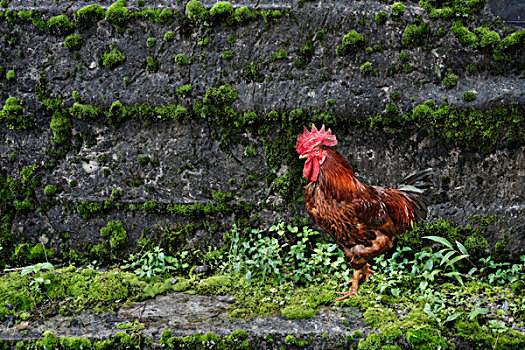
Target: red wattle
311 169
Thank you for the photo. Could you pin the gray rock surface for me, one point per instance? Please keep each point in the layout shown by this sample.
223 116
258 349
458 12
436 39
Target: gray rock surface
185 315
190 163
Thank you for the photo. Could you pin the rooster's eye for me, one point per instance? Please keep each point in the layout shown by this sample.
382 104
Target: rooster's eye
317 151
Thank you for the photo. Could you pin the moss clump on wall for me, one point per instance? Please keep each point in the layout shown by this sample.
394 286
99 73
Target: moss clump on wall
117 235
152 65
60 25
414 34
169 36
118 14
470 237
195 11
13 115
112 58
450 80
468 96
222 11
244 15
463 34
397 10
381 17
73 42
89 14
352 43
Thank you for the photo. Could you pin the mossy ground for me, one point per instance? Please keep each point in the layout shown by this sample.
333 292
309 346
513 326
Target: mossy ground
476 313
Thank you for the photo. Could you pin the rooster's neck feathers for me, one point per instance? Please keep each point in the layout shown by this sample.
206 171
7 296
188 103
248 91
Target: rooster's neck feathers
337 178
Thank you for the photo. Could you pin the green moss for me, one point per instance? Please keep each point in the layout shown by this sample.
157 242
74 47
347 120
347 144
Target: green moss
503 50
50 341
118 14
278 55
117 235
169 36
292 340
113 57
395 95
181 59
184 90
414 34
50 190
397 10
222 9
152 65
306 53
297 312
468 96
60 25
10 75
13 115
381 17
351 43
195 11
84 112
227 55
150 42
463 34
75 343
450 81
366 68
89 14
488 38
244 15
73 42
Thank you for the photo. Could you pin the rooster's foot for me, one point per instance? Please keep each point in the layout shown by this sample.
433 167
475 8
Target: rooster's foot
347 295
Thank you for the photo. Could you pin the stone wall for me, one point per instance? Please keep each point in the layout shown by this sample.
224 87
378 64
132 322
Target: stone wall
244 163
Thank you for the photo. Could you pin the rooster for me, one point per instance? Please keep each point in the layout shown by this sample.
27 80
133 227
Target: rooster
363 220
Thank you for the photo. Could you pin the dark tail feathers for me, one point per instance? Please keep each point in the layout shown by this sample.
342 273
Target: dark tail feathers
417 186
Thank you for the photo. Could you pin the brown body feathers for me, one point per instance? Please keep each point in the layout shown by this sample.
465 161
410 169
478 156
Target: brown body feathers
361 219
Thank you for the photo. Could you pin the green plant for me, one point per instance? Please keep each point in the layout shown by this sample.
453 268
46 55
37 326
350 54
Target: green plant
351 43
169 36
152 65
469 96
60 25
113 57
278 55
397 10
227 55
10 75
195 11
150 42
152 263
450 80
395 95
117 235
50 190
366 68
181 59
414 34
89 14
118 14
73 42
39 282
222 8
13 115
381 17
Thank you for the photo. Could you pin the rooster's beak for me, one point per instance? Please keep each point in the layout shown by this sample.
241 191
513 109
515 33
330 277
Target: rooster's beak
302 156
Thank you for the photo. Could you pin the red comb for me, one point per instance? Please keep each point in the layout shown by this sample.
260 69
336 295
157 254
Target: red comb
309 139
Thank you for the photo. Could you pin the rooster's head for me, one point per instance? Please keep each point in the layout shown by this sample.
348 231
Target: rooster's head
309 146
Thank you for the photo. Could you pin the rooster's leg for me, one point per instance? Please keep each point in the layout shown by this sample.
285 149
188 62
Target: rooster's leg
355 284
366 271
